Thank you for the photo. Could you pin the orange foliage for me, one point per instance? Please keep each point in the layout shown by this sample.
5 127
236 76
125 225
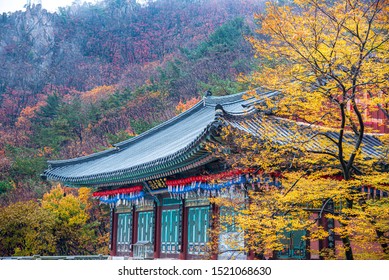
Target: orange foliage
98 93
27 114
183 106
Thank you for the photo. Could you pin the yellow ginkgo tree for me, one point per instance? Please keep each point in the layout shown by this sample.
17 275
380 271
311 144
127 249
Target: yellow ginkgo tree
74 232
328 61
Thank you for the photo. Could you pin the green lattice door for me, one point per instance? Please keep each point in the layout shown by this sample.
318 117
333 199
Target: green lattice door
145 226
124 234
169 231
294 245
198 224
231 236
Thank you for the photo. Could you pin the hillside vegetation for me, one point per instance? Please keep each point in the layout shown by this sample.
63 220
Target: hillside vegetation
79 80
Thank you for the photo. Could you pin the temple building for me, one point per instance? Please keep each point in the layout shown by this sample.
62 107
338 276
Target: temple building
158 184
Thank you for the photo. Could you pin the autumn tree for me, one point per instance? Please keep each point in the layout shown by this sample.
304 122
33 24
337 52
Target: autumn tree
327 60
72 230
26 229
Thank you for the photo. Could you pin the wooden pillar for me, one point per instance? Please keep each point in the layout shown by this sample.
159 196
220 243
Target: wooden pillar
157 230
114 230
184 231
134 230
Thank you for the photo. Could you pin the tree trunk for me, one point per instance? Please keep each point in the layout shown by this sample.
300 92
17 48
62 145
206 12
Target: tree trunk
346 239
347 246
384 245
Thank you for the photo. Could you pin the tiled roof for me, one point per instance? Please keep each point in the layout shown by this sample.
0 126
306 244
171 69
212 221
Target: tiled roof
178 144
173 144
284 130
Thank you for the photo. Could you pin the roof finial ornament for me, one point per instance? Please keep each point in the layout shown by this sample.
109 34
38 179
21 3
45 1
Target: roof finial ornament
208 93
219 111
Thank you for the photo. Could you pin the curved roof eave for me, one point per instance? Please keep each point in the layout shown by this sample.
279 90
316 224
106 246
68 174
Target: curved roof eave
122 172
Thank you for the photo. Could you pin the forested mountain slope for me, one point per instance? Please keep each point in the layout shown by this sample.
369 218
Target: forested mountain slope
90 75
78 80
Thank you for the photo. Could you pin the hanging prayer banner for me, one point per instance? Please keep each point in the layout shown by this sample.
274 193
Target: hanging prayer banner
221 184
124 196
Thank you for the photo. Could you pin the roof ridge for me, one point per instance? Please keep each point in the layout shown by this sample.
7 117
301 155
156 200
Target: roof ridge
212 101
325 128
250 108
